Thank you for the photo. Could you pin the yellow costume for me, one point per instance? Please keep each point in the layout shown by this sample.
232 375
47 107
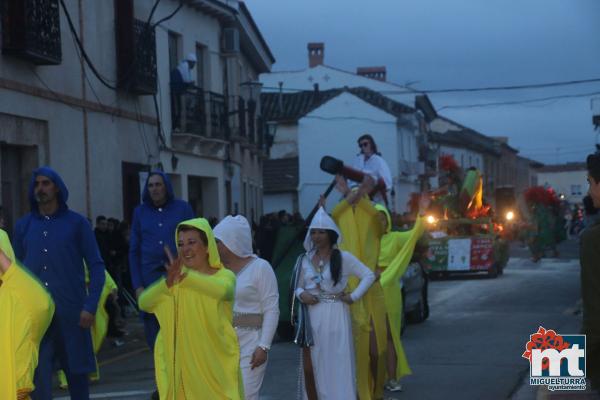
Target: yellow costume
99 328
361 230
26 310
196 353
395 253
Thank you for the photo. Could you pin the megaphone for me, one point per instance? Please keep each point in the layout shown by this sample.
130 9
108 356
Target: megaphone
334 166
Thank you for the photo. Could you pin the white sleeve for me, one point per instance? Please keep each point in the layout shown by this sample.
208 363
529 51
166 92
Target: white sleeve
269 302
384 171
300 287
353 266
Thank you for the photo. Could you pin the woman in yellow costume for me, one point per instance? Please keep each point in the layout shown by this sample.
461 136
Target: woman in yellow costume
396 250
26 310
377 319
358 220
196 354
98 329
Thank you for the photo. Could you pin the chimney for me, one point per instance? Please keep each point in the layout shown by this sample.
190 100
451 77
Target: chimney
377 73
316 54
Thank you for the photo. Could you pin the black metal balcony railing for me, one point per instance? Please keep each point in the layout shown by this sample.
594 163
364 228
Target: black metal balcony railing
206 113
31 30
199 112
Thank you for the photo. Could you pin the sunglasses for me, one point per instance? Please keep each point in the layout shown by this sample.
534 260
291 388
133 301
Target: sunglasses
363 144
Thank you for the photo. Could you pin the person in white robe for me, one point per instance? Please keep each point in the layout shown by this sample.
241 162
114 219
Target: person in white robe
370 162
256 303
322 285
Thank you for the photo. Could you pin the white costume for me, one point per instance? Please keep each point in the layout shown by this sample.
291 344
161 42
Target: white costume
185 70
256 305
333 351
377 167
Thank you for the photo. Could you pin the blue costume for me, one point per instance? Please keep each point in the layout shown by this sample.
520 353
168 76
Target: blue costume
151 229
54 247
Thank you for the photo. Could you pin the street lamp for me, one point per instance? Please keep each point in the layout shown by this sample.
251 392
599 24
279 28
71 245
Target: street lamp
250 90
271 132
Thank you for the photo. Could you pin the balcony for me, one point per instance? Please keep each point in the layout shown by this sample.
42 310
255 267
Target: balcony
31 30
199 122
136 51
200 113
205 116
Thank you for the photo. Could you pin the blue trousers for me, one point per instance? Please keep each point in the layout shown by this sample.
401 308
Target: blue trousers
52 349
151 328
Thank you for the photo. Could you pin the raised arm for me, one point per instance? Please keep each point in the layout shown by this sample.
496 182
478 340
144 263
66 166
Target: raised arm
400 262
220 286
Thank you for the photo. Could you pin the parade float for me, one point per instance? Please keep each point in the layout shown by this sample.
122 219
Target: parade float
464 234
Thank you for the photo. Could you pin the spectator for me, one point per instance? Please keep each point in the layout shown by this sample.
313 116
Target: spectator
181 79
590 277
102 238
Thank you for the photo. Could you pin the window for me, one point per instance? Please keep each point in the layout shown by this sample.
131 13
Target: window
575 190
201 55
31 30
174 50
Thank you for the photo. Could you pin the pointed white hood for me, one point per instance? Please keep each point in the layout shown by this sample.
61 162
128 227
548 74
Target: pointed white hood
321 220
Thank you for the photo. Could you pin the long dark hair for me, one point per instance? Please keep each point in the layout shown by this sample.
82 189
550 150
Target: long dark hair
335 262
370 139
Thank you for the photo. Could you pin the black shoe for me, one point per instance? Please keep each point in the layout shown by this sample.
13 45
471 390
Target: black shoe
155 396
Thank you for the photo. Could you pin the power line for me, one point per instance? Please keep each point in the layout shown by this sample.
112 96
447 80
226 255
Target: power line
516 102
409 90
52 92
89 62
510 87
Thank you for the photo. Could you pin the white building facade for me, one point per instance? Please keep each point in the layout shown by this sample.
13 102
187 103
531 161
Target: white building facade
569 180
331 127
55 111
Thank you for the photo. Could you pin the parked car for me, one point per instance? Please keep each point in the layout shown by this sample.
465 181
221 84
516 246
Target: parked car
415 301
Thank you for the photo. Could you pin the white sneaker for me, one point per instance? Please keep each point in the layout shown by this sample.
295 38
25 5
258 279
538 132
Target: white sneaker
393 386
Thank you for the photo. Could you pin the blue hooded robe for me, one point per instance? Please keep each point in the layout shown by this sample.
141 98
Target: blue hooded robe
54 247
151 229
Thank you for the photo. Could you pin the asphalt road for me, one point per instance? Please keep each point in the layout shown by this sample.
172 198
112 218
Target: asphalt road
469 348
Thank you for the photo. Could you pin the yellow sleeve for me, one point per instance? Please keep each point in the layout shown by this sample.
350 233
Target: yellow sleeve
109 282
220 285
154 295
31 294
398 265
6 246
8 379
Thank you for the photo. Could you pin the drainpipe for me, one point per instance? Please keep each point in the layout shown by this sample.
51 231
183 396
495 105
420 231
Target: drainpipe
86 152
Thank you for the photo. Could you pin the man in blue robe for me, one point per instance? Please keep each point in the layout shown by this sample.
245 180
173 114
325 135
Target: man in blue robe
53 242
152 228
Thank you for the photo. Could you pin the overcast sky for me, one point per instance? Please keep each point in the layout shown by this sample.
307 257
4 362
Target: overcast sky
441 44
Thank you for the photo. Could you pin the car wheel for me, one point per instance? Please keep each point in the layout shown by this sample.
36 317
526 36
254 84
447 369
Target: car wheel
421 312
493 271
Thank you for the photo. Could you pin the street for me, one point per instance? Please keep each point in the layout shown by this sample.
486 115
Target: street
469 348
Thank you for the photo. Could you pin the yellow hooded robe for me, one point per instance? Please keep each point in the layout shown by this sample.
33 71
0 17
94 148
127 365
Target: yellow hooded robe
196 353
361 230
395 254
99 328
26 310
